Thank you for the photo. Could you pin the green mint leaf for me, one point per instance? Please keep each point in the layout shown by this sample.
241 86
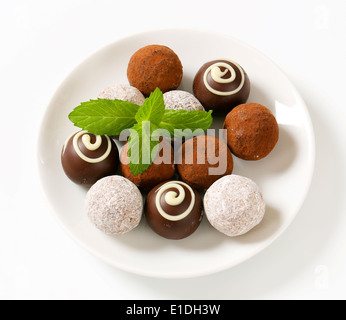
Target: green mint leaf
185 120
152 109
103 116
142 151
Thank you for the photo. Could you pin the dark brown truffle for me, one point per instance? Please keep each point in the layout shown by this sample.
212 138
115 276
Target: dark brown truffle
160 170
155 66
174 210
203 160
252 131
87 158
221 85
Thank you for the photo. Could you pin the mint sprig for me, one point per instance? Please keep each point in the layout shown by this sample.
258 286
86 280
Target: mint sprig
152 109
192 121
111 117
141 147
105 117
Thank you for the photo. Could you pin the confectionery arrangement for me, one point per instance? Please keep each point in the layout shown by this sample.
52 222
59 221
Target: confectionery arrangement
174 210
187 181
202 160
86 158
221 85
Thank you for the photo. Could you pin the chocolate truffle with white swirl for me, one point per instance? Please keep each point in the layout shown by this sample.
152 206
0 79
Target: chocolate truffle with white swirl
87 158
174 210
221 85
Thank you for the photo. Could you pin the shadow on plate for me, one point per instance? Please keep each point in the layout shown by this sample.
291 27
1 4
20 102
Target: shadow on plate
205 237
278 161
270 224
261 98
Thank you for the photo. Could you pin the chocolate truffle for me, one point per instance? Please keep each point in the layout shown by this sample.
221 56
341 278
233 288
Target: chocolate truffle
155 66
114 205
221 85
181 100
123 92
160 170
174 210
203 160
87 158
252 131
234 205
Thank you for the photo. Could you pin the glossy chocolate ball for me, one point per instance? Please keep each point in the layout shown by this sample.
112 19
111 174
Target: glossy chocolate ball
221 85
203 160
87 158
174 210
252 131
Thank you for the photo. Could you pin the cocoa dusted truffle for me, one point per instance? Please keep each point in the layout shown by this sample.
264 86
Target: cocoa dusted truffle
86 158
221 85
234 205
174 210
114 205
155 66
160 170
252 131
203 160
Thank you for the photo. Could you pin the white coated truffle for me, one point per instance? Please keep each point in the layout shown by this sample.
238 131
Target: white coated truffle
114 205
181 100
234 205
123 92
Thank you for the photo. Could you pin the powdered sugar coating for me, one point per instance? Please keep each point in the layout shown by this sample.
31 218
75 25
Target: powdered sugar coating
123 92
114 205
234 205
181 100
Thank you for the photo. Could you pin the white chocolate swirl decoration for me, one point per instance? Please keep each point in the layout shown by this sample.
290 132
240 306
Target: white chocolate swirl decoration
217 76
173 199
86 139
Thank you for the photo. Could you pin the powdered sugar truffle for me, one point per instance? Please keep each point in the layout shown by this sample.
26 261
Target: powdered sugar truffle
123 92
234 205
181 100
114 205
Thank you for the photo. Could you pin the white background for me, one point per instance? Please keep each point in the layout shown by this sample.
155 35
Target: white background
42 41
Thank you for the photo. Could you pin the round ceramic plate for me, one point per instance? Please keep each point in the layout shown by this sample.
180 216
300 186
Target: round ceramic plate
284 176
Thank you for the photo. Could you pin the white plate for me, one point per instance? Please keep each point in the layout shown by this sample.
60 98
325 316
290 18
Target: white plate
284 176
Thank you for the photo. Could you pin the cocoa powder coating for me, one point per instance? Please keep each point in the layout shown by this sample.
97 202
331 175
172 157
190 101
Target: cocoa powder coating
197 158
252 131
157 172
155 66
